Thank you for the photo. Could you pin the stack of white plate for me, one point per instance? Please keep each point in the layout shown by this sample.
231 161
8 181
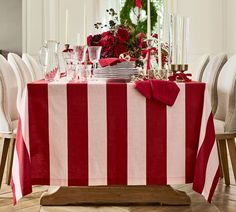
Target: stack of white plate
111 73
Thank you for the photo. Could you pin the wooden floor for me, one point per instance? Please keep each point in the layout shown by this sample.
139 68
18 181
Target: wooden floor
224 200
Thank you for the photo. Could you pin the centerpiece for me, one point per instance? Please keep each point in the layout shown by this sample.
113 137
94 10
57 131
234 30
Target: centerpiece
125 43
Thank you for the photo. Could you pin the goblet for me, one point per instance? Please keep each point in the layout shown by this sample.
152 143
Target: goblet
94 54
79 57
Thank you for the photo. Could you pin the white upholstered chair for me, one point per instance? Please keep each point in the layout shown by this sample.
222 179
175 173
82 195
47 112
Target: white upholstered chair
197 66
8 115
225 116
33 66
22 73
210 76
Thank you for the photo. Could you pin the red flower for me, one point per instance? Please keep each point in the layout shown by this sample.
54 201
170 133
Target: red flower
122 35
119 49
93 40
89 40
107 40
107 52
108 33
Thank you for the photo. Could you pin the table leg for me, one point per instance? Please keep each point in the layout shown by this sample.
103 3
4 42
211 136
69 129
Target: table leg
114 195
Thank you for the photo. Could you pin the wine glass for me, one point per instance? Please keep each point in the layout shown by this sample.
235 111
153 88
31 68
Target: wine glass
84 72
80 53
79 57
94 54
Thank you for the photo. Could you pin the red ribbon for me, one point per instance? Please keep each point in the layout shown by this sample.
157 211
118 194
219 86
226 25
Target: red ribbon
139 4
180 76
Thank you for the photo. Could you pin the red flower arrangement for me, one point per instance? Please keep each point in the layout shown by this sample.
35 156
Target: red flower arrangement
117 40
120 39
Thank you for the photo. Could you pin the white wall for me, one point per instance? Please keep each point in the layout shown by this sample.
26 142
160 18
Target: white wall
230 26
212 22
206 25
45 20
11 25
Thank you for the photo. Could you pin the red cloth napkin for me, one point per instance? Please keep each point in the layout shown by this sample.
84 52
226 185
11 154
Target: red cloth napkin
112 61
161 90
109 61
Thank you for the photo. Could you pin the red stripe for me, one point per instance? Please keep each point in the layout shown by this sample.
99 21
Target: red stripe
117 133
38 133
77 109
203 156
194 107
214 184
156 142
24 165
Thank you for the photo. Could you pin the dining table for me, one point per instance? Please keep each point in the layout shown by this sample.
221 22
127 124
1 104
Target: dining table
98 135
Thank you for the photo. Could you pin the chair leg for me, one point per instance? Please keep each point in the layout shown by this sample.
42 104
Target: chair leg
221 171
6 143
224 161
232 153
10 161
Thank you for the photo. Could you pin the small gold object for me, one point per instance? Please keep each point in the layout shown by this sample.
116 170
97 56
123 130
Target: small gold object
179 67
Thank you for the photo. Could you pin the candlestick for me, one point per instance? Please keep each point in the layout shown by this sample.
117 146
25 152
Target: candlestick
78 39
66 30
85 24
159 43
149 19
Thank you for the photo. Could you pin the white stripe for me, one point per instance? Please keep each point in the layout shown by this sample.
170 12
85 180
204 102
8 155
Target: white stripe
212 167
58 148
136 109
176 139
97 133
16 176
24 115
205 117
23 111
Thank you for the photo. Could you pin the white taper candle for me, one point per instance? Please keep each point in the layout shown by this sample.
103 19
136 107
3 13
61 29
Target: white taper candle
148 18
159 43
66 29
85 24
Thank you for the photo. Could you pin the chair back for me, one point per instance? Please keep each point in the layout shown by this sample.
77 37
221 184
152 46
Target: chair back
8 96
33 66
226 92
198 66
210 76
22 73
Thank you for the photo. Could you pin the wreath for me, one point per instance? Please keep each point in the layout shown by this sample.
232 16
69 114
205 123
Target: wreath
130 7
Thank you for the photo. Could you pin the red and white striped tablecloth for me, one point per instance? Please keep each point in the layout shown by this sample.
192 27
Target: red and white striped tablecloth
78 134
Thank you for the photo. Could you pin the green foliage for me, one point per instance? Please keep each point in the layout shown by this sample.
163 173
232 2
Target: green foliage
141 26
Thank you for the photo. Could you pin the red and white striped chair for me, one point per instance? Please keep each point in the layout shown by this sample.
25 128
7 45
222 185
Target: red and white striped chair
225 116
8 115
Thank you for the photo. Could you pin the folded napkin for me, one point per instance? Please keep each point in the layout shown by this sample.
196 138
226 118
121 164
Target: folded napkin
112 61
161 90
109 61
